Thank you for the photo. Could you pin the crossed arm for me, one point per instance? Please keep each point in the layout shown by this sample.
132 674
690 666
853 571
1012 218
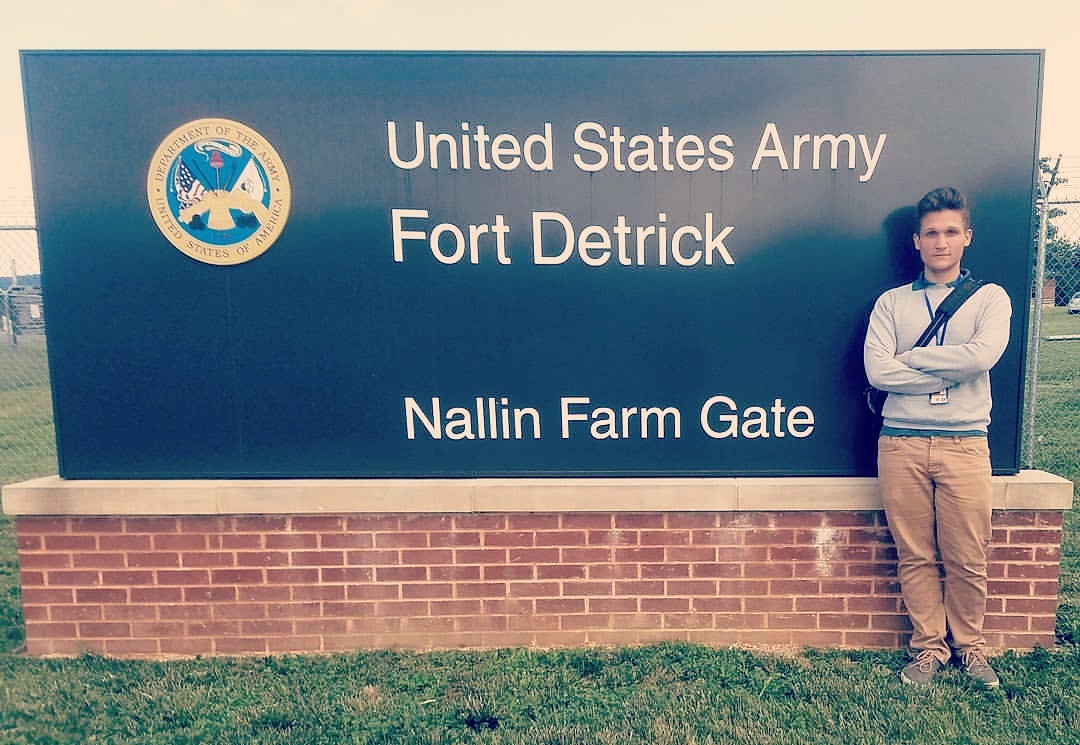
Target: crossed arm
933 368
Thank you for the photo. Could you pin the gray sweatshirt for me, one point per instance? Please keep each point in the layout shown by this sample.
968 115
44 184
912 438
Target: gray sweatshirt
958 362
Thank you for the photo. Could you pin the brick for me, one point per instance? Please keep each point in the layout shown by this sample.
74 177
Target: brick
261 558
156 595
371 523
347 574
481 589
613 538
70 542
1031 606
186 646
1031 571
802 520
62 578
665 605
649 520
104 629
260 524
532 556
587 589
401 574
1053 518
427 591
562 538
131 647
373 558
100 595
1049 537
742 587
482 556
126 542
715 605
768 604
207 559
183 577
795 587
240 645
455 539
612 571
157 630
291 540
792 621
427 556
268 627
129 612
31 579
691 555
716 537
589 521
560 571
213 594
1013 518
691 587
652 555
43 596
511 572
454 573
346 540
401 540
533 522
317 558
775 570
665 538
45 561
1005 623
373 592
533 589
560 606
75 613
320 592
150 525
271 594
153 559
818 605
236 576
180 542
98 560
299 611
292 576
872 639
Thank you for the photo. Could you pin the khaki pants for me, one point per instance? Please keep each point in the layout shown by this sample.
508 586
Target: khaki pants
937 501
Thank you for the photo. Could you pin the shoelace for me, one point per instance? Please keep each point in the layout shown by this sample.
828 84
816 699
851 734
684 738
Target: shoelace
974 660
926 660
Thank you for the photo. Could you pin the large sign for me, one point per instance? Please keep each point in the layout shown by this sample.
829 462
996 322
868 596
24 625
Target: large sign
444 264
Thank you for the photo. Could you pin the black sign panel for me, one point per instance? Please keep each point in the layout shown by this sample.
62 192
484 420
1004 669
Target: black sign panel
442 264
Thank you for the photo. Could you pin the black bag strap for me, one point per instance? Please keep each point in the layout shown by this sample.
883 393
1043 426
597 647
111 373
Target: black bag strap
952 302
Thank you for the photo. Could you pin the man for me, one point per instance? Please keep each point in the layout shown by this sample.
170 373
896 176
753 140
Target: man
933 458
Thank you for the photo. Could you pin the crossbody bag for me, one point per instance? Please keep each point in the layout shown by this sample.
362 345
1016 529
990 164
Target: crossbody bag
875 399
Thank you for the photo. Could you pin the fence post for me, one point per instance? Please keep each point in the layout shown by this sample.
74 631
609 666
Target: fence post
1027 457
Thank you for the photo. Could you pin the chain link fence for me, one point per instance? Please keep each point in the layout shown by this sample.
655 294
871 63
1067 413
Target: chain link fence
1051 437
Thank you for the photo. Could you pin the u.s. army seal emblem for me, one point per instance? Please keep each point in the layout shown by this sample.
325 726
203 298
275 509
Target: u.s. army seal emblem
218 191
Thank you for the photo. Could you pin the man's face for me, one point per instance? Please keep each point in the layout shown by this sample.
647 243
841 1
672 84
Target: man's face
941 241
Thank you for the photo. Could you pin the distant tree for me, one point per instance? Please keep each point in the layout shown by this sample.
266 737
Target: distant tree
1062 253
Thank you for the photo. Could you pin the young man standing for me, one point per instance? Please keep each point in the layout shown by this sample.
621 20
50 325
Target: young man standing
933 458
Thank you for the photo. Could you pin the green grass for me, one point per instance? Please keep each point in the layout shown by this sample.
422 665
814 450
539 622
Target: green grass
659 695
670 694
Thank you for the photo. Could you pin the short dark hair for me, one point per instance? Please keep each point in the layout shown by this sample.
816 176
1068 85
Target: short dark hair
945 198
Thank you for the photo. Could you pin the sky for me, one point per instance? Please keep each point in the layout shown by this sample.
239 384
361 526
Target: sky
553 25
547 25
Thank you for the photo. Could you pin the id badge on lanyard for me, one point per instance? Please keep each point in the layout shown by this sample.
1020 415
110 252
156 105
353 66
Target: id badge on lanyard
939 397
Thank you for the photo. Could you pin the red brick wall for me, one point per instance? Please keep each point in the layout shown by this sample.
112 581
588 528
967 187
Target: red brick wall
165 586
